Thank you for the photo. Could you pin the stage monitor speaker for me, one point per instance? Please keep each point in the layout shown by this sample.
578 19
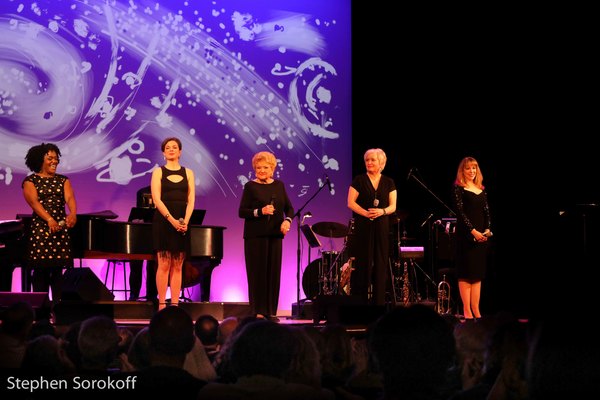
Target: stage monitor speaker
38 300
346 310
81 284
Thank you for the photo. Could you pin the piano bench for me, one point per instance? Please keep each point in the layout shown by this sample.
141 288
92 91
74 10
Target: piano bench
112 263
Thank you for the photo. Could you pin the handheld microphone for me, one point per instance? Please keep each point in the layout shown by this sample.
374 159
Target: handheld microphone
182 222
62 224
328 182
272 203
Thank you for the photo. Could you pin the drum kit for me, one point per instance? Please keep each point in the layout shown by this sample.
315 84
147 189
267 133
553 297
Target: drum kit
330 273
325 275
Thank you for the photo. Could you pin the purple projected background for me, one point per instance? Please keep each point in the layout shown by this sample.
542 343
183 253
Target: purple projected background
107 81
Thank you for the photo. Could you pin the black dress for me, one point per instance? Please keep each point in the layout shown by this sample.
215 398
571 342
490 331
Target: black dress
371 241
263 243
174 196
43 248
472 211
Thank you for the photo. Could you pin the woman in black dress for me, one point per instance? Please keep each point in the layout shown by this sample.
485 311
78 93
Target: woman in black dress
49 243
267 213
372 198
472 231
173 194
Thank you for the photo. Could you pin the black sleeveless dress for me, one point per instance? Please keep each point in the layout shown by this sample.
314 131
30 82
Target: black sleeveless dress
174 195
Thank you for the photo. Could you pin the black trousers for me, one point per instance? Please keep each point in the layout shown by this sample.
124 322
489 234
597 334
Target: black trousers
263 270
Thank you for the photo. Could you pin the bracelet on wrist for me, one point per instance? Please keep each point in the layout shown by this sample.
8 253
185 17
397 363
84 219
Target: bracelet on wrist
384 213
167 215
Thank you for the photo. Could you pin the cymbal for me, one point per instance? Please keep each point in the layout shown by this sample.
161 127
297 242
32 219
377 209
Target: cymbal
330 229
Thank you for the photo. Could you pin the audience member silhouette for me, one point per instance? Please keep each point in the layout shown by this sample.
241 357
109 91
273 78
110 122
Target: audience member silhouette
125 338
306 363
44 357
172 337
17 321
98 343
261 356
42 327
511 348
414 348
471 344
563 360
197 362
367 380
139 351
338 363
69 343
206 329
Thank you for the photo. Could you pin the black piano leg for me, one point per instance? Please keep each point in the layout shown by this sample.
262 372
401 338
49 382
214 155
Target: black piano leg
205 286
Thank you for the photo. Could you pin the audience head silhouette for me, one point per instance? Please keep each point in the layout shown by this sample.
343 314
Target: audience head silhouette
414 348
171 332
98 342
263 348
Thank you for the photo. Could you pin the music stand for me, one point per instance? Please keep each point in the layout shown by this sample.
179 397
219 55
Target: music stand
143 214
311 238
197 217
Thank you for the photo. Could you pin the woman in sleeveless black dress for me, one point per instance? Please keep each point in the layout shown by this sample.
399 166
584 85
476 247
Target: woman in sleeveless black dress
473 226
173 194
49 242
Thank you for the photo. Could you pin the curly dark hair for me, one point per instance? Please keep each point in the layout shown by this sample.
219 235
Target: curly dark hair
35 155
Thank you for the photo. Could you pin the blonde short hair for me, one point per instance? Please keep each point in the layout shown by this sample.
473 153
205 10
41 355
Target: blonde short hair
265 156
380 154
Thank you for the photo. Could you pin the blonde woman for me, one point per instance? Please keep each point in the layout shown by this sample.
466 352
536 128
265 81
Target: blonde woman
372 198
473 226
267 212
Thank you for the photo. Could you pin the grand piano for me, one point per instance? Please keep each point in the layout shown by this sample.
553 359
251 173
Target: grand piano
98 235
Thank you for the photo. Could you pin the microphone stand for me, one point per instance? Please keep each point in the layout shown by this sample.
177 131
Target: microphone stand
428 222
433 194
297 216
